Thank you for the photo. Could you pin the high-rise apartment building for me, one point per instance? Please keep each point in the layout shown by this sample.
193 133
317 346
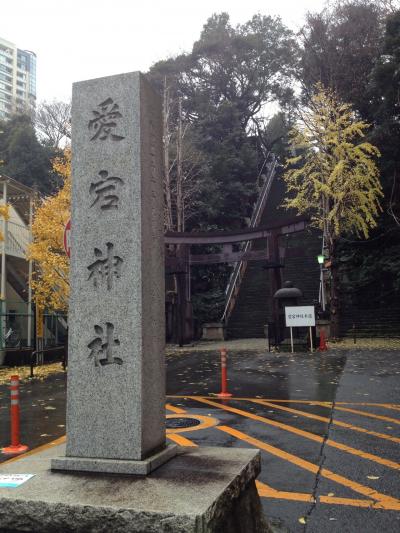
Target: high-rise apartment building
17 79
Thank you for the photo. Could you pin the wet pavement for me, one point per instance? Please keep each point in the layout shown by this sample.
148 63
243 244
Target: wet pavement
42 405
327 426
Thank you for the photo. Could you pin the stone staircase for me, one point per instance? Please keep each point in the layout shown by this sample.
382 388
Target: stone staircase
253 306
251 311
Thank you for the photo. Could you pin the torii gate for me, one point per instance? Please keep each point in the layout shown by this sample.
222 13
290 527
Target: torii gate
180 264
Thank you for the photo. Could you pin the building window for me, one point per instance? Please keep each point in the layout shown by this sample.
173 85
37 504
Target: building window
5 78
5 69
5 87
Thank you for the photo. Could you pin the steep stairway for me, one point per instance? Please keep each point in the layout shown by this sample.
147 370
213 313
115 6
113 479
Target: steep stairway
253 308
251 311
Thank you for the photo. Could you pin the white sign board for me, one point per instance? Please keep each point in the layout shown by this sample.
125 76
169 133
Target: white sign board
13 480
300 316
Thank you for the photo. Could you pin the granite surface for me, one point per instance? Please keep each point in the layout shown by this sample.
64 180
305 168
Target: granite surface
200 490
115 466
116 376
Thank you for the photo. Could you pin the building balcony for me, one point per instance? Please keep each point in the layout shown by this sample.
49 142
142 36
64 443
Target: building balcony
16 230
17 240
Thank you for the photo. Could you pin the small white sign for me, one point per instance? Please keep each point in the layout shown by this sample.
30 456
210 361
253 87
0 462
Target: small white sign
300 316
13 480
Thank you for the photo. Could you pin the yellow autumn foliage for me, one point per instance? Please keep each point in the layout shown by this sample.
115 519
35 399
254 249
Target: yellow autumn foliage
50 281
4 215
334 177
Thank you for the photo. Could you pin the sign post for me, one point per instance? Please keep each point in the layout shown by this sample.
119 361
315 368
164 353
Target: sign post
300 316
291 339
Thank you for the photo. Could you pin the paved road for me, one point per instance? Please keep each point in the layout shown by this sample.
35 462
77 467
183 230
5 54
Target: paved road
330 457
42 404
327 426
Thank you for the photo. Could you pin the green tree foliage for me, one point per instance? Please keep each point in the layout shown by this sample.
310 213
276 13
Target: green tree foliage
339 47
224 83
22 156
383 93
353 48
371 269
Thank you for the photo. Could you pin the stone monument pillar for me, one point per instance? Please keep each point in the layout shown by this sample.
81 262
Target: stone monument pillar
116 381
116 371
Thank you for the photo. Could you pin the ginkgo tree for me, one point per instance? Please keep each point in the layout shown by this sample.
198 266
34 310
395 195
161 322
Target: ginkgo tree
333 177
50 280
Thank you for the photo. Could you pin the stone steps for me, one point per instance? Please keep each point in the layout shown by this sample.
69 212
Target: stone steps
254 305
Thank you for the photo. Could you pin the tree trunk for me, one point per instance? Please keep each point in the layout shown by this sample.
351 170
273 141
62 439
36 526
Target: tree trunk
180 221
167 177
335 281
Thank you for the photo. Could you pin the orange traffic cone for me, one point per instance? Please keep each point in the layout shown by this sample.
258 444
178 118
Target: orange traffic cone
15 446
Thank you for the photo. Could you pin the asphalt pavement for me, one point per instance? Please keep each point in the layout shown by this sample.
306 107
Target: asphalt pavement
327 425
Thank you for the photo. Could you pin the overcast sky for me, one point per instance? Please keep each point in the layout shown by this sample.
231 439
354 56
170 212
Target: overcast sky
81 39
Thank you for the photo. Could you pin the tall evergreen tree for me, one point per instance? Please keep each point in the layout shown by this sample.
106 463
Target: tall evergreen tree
224 84
22 157
340 45
372 268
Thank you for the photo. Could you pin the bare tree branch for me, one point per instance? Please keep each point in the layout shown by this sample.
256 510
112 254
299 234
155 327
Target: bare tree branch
53 122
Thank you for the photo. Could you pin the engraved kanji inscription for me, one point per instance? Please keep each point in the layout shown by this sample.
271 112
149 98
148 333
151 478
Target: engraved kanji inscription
105 121
105 268
101 347
105 191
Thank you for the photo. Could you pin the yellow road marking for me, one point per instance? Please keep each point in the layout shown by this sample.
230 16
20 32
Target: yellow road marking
393 406
370 415
310 402
302 433
179 439
326 419
265 491
337 404
174 409
268 492
385 502
355 502
390 406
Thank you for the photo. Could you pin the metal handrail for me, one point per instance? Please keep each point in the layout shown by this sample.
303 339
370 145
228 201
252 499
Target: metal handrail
255 219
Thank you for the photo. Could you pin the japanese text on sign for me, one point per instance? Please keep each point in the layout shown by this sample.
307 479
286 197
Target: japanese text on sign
300 316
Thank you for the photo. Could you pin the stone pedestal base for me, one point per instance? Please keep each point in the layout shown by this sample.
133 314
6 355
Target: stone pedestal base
213 331
114 466
325 326
201 490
